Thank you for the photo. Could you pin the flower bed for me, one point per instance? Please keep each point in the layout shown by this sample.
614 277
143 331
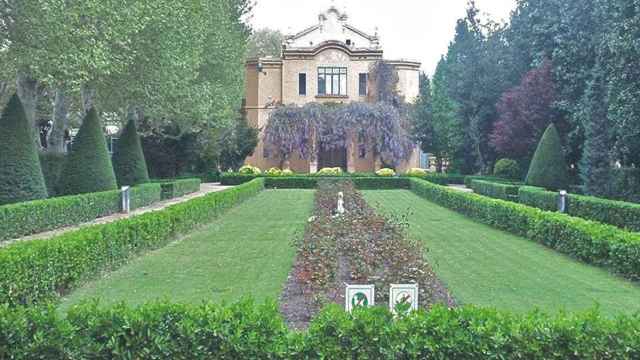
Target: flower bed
22 219
34 271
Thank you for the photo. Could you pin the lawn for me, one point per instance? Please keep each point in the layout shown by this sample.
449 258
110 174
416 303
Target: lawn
247 252
489 267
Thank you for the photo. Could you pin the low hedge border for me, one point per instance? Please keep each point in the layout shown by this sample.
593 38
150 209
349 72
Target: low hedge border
27 218
38 270
172 189
593 243
495 190
622 214
248 331
311 182
445 179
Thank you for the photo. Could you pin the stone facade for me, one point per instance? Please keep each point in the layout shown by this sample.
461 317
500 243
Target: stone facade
331 44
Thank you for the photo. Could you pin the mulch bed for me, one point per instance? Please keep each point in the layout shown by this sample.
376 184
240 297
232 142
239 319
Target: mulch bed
358 247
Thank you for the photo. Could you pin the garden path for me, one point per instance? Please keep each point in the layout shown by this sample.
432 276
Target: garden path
205 188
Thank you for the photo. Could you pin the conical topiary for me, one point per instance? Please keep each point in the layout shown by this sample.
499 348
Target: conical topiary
20 172
88 166
128 158
548 168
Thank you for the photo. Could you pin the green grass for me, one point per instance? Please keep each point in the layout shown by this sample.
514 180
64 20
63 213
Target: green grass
489 267
247 252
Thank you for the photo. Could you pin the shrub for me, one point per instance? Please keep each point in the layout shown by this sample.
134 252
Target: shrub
88 167
538 198
507 169
445 179
625 184
549 168
52 164
386 172
380 183
232 179
594 243
128 160
417 172
21 176
39 270
176 188
291 182
495 190
288 172
249 170
245 330
336 171
469 179
273 172
23 219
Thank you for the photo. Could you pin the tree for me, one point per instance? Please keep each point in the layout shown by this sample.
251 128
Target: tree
422 117
129 164
265 42
524 113
235 144
88 167
548 168
21 176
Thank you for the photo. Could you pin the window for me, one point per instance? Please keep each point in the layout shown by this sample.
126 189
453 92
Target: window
302 84
362 82
332 81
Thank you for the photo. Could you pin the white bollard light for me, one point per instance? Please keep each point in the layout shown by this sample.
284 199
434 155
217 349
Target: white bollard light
562 201
126 199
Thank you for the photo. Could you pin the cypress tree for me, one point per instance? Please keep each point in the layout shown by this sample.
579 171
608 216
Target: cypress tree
21 176
548 168
128 159
88 166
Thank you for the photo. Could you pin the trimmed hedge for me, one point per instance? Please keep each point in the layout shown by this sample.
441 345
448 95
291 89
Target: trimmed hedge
470 178
495 190
176 188
52 164
291 182
27 218
248 331
129 164
445 179
593 243
39 270
624 215
548 168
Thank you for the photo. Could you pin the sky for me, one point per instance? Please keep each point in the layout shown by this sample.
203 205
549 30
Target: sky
409 29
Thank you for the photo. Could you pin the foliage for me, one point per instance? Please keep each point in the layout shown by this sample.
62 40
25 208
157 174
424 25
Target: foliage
590 242
446 179
329 172
524 113
273 172
287 172
23 219
21 176
88 167
235 143
177 188
52 165
495 190
248 330
313 127
417 172
129 164
249 170
508 169
36 271
386 172
538 197
548 168
265 42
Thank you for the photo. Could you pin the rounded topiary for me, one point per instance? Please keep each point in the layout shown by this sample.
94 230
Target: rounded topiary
250 170
507 169
273 172
21 176
417 172
88 166
287 172
549 168
386 172
335 171
128 159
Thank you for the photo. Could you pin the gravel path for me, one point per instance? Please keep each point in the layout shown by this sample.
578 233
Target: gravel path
205 189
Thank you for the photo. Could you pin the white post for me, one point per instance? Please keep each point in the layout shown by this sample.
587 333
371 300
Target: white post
562 201
126 199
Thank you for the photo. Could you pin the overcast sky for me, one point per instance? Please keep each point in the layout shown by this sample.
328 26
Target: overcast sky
410 29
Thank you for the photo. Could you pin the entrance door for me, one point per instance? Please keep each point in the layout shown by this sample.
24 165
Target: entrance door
333 158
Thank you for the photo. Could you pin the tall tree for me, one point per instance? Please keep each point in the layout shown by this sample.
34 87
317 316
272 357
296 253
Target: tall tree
265 42
548 168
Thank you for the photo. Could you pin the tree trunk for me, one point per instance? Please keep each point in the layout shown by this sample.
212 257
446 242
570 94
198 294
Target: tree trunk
88 95
27 89
60 123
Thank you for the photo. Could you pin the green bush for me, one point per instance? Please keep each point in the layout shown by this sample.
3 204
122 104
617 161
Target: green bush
386 172
21 176
176 188
250 170
417 172
52 164
291 182
507 192
129 164
470 178
507 169
593 243
625 184
335 171
23 219
549 168
445 179
88 167
538 198
232 179
273 172
381 183
39 270
245 330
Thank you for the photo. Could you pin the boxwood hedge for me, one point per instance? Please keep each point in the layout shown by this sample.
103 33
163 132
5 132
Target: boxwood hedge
495 190
23 219
594 243
248 331
176 188
33 271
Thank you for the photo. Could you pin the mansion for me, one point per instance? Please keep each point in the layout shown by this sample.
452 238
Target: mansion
327 62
